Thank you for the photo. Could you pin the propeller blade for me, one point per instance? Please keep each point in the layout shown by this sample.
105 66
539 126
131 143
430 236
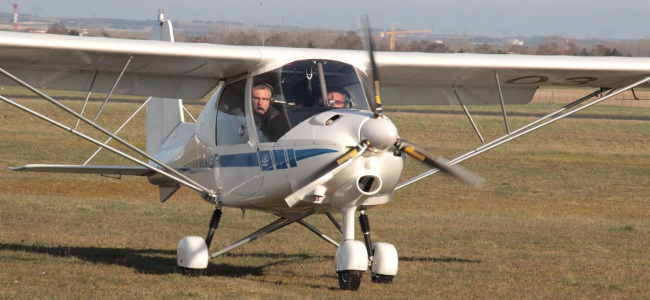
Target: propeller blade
368 46
328 172
441 163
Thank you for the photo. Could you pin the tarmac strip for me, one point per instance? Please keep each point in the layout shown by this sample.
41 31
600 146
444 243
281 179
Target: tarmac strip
411 111
515 114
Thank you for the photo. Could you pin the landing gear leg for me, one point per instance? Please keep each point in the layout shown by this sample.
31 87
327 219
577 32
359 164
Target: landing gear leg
192 255
214 224
382 256
351 257
365 228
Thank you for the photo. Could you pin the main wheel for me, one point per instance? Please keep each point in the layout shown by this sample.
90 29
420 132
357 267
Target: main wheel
191 272
378 278
350 280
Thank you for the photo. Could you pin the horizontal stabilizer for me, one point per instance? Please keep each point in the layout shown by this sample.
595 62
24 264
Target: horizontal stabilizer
108 170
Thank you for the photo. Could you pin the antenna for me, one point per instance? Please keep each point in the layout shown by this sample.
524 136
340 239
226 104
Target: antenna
161 16
262 12
15 17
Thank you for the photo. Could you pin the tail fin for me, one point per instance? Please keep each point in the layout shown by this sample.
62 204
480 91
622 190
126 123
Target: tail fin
163 115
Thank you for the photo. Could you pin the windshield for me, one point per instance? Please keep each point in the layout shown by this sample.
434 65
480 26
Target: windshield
283 98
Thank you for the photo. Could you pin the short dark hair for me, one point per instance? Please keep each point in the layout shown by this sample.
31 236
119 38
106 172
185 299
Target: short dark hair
264 86
340 91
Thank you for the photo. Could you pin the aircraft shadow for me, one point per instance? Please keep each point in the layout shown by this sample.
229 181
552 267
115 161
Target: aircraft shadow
440 260
155 261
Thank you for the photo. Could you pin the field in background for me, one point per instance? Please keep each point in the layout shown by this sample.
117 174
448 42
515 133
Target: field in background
564 214
640 98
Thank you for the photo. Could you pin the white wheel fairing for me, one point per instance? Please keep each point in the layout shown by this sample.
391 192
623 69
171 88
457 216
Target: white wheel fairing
352 255
192 253
385 259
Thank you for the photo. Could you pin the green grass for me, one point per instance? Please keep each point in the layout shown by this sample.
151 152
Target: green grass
563 215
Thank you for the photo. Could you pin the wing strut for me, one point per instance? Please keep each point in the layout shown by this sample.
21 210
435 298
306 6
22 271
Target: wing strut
468 115
98 143
90 91
118 130
528 128
503 106
179 177
113 88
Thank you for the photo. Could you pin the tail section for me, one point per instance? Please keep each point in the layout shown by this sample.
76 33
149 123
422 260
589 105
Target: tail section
163 115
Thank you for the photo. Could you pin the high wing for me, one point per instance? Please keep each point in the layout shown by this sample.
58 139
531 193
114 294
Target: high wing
421 78
159 69
189 70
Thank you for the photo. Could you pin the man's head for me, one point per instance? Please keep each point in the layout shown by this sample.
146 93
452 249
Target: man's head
262 95
337 98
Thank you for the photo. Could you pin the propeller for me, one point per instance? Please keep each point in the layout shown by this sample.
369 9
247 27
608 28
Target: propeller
328 172
368 46
381 133
441 163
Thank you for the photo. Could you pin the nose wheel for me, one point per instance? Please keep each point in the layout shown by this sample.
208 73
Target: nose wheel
350 280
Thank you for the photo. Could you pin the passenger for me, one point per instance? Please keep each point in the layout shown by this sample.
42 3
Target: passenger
338 98
269 121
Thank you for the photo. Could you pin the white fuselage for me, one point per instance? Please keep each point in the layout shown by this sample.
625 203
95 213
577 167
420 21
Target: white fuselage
259 176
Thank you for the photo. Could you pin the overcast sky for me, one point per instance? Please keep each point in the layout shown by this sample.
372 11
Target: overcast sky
570 18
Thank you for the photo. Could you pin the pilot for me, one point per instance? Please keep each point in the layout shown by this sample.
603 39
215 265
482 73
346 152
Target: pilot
270 122
338 98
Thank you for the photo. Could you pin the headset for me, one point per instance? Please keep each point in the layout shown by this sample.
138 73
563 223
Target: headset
260 86
348 102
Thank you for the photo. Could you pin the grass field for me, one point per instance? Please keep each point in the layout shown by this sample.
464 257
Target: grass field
565 214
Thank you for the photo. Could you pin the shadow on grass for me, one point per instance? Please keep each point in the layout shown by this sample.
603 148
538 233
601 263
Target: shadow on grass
441 260
153 261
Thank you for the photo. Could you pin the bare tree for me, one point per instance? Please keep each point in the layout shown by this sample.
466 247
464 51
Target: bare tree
549 49
57 28
104 33
349 40
483 48
277 40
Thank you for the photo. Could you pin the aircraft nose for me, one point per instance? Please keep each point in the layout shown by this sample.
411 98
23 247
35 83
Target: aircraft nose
380 132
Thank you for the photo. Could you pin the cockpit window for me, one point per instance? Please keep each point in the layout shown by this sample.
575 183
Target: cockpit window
283 98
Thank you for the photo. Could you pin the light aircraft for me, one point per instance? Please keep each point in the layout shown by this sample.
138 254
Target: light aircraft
296 154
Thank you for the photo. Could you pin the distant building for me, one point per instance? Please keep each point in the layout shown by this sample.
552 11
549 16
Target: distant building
36 30
517 42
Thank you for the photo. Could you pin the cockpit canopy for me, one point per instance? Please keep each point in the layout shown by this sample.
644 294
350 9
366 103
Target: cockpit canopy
302 89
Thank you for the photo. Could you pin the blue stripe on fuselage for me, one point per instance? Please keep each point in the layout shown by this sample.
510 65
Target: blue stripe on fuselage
269 160
266 163
238 160
307 153
280 159
291 154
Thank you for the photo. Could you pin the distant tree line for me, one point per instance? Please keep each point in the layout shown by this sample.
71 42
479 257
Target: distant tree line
58 28
325 39
352 40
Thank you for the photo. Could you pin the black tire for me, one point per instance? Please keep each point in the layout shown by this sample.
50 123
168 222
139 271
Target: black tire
350 280
191 272
378 278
